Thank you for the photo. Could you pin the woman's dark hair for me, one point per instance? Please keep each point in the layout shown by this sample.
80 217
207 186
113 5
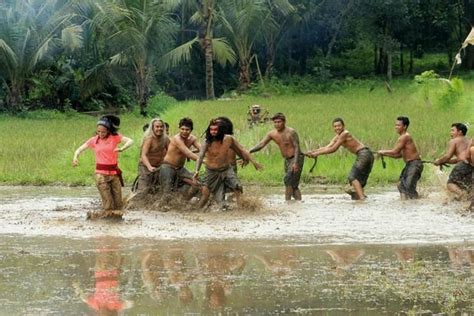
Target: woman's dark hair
110 122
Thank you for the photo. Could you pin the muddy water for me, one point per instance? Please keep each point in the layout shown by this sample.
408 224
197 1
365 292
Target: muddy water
58 276
325 256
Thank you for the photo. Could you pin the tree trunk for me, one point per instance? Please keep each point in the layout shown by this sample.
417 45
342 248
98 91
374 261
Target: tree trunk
376 59
270 56
209 57
142 89
410 67
244 75
14 97
389 65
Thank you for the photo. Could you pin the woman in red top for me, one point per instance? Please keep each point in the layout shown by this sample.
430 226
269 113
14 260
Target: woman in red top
108 176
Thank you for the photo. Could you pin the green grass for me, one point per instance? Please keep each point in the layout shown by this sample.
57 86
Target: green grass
38 149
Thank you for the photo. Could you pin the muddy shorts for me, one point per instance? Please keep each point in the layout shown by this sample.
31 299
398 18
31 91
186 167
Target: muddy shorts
292 179
110 190
409 178
171 178
148 181
220 180
362 166
461 175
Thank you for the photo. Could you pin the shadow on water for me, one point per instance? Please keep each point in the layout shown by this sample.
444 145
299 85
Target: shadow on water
112 276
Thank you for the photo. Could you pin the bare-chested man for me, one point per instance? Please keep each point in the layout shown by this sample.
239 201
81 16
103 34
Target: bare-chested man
220 174
362 166
172 172
287 140
405 148
459 182
153 150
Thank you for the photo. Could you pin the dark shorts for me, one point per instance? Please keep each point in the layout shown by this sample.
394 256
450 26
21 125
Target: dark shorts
362 166
171 178
221 180
292 179
147 181
461 175
409 178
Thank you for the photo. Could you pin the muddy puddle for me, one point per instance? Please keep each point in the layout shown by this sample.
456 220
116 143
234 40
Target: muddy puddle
59 276
325 256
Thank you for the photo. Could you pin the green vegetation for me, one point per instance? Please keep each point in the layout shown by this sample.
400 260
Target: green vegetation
37 148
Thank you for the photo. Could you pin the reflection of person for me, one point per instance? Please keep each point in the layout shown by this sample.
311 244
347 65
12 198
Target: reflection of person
219 270
459 182
107 298
345 258
460 256
405 148
362 166
107 173
282 264
220 174
405 254
179 274
153 150
287 140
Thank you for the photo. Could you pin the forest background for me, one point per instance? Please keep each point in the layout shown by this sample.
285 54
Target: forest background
368 61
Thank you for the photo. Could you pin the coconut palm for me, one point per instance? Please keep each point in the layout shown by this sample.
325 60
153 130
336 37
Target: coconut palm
30 30
204 18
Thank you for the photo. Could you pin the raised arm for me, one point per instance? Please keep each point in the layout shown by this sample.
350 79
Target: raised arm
446 158
77 153
396 152
262 144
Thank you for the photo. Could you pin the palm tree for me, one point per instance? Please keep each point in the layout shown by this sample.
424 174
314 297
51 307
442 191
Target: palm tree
204 18
243 22
140 34
30 30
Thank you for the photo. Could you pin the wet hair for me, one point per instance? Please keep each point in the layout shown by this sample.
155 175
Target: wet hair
460 127
227 125
405 120
145 127
220 131
110 122
167 126
279 116
186 121
339 119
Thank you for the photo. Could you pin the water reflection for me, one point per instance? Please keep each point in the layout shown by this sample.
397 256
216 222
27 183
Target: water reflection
112 276
107 298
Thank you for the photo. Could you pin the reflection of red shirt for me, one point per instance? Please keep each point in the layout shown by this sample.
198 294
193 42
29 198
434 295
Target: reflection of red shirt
106 291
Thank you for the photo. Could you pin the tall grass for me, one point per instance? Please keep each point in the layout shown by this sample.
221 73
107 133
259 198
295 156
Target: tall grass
35 150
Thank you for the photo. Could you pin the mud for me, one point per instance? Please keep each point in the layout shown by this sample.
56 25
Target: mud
321 218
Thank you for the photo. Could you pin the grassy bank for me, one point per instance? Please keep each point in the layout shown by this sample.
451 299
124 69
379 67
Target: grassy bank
38 149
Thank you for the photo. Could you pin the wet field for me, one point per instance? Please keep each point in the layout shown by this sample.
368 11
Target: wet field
59 276
326 256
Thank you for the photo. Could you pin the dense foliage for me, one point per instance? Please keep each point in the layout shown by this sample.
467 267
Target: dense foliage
91 55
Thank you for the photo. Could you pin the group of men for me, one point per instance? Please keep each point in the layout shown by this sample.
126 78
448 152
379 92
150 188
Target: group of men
163 158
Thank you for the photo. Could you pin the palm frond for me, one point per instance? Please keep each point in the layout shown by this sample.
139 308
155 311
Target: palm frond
223 52
180 54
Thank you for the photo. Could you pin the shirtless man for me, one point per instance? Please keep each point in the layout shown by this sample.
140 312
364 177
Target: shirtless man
172 171
405 148
362 166
459 182
287 140
153 150
220 173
